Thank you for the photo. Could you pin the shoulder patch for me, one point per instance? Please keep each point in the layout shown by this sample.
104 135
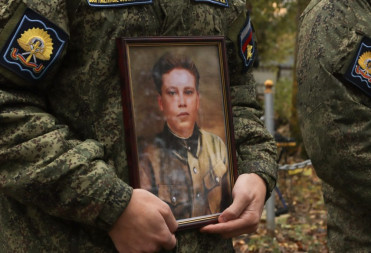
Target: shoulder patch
33 46
247 45
218 2
116 3
359 71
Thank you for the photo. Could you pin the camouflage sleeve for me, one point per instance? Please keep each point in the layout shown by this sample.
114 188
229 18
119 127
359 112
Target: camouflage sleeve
256 149
335 114
43 165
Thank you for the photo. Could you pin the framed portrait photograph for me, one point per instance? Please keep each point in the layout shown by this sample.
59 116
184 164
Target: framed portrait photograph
178 123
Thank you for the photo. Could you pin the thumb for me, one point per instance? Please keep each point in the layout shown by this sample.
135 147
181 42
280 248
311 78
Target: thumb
233 211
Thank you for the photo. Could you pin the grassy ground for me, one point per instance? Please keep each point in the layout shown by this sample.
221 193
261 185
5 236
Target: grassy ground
303 228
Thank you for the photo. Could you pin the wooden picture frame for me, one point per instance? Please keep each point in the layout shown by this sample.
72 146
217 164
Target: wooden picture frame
193 173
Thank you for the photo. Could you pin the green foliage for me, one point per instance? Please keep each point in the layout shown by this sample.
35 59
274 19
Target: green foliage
276 24
282 100
275 28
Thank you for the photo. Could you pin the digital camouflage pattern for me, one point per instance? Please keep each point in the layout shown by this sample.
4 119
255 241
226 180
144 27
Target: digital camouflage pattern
63 167
335 117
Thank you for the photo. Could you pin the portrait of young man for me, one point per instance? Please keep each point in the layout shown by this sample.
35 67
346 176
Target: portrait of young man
185 165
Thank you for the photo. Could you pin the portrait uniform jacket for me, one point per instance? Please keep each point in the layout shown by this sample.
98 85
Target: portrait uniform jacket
335 114
191 175
63 166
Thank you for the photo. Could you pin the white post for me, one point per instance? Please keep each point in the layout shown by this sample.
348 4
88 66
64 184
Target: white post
269 123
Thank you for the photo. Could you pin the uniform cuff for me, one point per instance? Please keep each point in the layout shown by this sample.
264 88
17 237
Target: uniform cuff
117 201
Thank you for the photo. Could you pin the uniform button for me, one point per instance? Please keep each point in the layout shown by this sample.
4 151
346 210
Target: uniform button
198 195
173 199
195 170
217 179
189 148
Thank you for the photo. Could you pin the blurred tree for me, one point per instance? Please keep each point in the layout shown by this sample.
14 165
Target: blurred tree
275 28
276 23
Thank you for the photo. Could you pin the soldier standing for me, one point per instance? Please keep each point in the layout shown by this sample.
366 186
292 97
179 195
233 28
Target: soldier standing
334 101
63 169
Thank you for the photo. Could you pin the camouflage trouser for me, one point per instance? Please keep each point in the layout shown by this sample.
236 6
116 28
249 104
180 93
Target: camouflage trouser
348 225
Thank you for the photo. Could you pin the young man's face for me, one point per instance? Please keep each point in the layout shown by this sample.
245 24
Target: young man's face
179 101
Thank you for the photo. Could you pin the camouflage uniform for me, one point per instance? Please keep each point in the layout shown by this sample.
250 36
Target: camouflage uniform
63 166
334 110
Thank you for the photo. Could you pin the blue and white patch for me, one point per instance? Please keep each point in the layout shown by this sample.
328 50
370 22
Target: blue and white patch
33 47
359 71
218 2
116 3
247 45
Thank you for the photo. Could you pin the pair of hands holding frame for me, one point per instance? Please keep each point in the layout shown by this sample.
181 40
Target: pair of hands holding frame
148 225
